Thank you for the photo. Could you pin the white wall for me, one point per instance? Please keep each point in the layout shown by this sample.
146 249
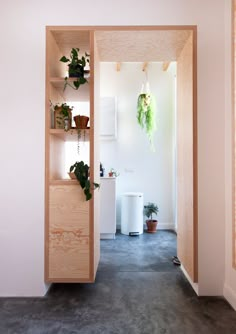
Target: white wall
22 63
141 169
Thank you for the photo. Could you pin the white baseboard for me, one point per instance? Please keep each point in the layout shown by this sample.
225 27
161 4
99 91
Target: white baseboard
166 226
230 296
160 226
107 236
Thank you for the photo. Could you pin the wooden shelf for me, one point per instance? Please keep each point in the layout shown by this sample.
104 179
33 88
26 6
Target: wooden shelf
71 135
63 182
70 94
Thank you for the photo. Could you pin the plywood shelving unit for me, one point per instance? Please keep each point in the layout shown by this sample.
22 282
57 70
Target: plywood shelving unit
70 224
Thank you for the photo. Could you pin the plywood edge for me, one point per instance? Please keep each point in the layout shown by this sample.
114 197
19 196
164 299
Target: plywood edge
195 159
69 280
233 100
121 28
91 204
46 175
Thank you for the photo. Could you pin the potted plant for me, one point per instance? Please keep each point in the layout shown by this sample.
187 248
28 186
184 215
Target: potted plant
62 116
81 172
113 173
149 210
76 67
146 115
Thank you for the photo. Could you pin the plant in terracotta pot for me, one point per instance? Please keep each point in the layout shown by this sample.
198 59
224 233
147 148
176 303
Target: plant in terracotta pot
76 67
149 210
81 172
81 123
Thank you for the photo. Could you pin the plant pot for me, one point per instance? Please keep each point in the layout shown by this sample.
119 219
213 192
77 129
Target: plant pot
81 121
76 71
61 122
72 176
151 226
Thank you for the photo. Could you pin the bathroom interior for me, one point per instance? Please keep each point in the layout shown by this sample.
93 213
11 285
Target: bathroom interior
124 145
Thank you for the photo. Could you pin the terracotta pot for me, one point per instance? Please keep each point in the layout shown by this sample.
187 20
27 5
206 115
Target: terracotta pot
151 226
81 121
72 176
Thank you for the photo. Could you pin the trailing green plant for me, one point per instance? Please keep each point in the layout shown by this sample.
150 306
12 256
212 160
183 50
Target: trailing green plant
150 209
81 171
76 68
146 115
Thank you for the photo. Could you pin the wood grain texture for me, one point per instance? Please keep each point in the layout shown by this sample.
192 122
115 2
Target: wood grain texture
71 135
70 94
56 67
69 245
185 163
76 38
140 45
233 79
96 153
57 158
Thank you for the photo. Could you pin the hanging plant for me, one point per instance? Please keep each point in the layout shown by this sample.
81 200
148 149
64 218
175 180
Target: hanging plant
146 115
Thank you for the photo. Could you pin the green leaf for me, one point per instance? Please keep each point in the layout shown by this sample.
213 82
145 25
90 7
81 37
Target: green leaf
64 59
76 84
82 80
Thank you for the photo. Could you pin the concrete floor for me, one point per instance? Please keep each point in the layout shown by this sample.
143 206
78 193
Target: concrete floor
138 290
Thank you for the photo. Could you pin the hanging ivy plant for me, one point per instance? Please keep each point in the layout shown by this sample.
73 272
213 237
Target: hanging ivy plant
146 115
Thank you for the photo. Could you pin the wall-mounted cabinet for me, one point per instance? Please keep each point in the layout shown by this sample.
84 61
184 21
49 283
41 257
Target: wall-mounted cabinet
71 235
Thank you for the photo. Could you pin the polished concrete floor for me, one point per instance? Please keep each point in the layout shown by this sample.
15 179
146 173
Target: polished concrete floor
138 290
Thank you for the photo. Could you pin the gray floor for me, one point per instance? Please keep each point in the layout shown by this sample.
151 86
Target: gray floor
138 290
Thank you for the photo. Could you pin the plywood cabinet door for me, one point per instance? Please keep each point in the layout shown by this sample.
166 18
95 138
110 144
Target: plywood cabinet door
69 251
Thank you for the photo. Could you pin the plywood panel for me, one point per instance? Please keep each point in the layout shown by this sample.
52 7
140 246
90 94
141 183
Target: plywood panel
96 150
69 251
140 45
57 156
72 38
55 66
186 231
234 129
70 94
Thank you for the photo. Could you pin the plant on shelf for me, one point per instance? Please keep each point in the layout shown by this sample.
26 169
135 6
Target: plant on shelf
76 67
146 115
149 210
62 116
81 123
113 173
81 172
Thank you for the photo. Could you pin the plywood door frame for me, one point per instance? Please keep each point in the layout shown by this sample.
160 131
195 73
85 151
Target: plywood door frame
233 85
93 29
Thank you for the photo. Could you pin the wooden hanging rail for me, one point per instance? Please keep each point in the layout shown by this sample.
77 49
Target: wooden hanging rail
118 66
145 66
165 65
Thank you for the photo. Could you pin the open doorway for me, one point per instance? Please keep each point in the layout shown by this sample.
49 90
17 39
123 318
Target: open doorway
169 175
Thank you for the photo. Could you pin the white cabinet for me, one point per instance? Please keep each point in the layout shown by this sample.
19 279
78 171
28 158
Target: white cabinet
108 118
108 208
